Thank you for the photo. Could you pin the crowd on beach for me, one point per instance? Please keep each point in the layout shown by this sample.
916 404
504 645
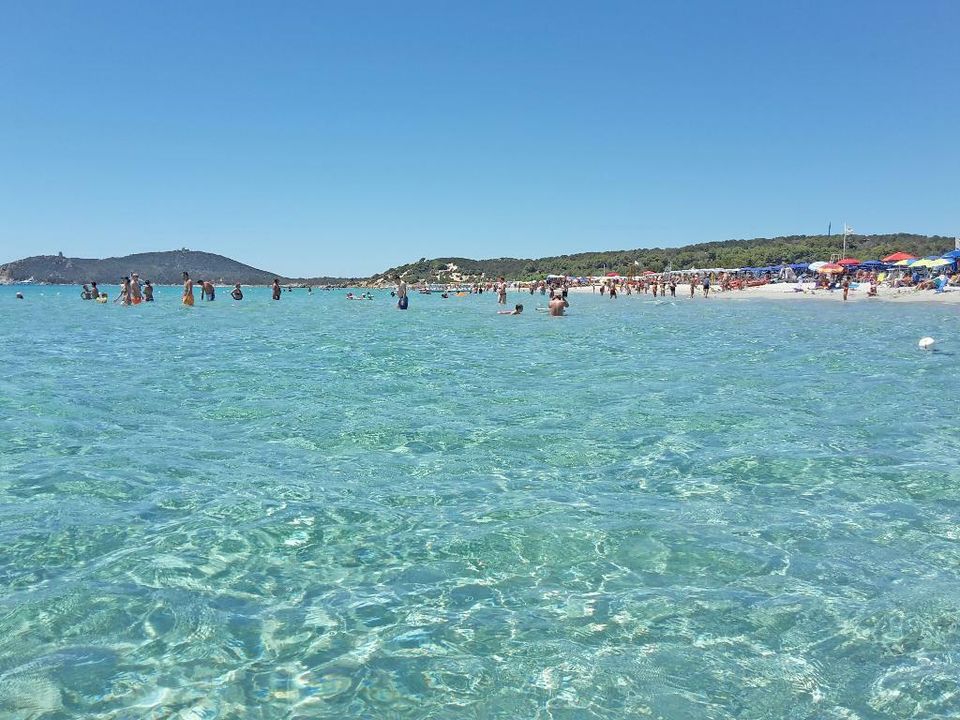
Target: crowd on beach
898 272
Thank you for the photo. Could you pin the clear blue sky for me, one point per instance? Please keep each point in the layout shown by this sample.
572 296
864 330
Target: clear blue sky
341 138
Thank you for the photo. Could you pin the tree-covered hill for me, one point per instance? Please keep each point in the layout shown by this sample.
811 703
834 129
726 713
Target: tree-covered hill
727 254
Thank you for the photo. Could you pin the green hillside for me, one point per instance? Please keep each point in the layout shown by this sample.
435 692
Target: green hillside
727 253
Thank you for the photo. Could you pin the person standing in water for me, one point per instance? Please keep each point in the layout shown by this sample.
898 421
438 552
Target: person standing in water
558 306
276 289
706 285
124 297
236 293
502 291
187 289
403 302
136 297
147 292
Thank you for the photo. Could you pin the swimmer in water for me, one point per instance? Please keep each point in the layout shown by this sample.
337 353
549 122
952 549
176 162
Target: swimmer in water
276 289
187 289
19 296
516 311
558 306
236 293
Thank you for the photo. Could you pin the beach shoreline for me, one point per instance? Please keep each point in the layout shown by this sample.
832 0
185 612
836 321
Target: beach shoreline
804 291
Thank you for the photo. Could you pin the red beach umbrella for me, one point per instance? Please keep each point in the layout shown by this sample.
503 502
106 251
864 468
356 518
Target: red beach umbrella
831 268
897 257
613 274
848 261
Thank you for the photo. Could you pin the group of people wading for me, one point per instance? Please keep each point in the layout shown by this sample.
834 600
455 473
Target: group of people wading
132 291
209 292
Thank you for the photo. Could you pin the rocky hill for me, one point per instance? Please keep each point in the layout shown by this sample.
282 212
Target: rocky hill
158 267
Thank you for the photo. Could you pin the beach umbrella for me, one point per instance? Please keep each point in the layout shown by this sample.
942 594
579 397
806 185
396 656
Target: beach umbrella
613 274
906 262
872 264
924 263
898 256
815 266
831 268
848 261
954 254
940 262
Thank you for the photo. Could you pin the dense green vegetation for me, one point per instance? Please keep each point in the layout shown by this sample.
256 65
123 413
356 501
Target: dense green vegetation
727 254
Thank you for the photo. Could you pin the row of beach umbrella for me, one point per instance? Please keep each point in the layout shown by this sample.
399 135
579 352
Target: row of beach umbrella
899 259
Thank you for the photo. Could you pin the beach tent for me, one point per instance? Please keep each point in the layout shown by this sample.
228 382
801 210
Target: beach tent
848 261
898 256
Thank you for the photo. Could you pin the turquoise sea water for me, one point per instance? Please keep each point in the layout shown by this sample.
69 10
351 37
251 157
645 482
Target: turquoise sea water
328 509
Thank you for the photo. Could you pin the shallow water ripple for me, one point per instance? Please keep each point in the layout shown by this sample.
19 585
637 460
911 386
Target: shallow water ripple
325 509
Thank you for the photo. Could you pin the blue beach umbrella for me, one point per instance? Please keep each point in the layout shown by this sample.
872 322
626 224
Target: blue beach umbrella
952 255
873 264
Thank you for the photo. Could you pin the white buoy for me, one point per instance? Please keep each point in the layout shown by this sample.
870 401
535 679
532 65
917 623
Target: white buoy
926 343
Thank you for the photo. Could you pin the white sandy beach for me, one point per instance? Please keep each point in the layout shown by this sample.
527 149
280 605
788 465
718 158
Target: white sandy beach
806 291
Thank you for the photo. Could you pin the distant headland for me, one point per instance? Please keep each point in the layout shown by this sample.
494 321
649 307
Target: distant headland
160 268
